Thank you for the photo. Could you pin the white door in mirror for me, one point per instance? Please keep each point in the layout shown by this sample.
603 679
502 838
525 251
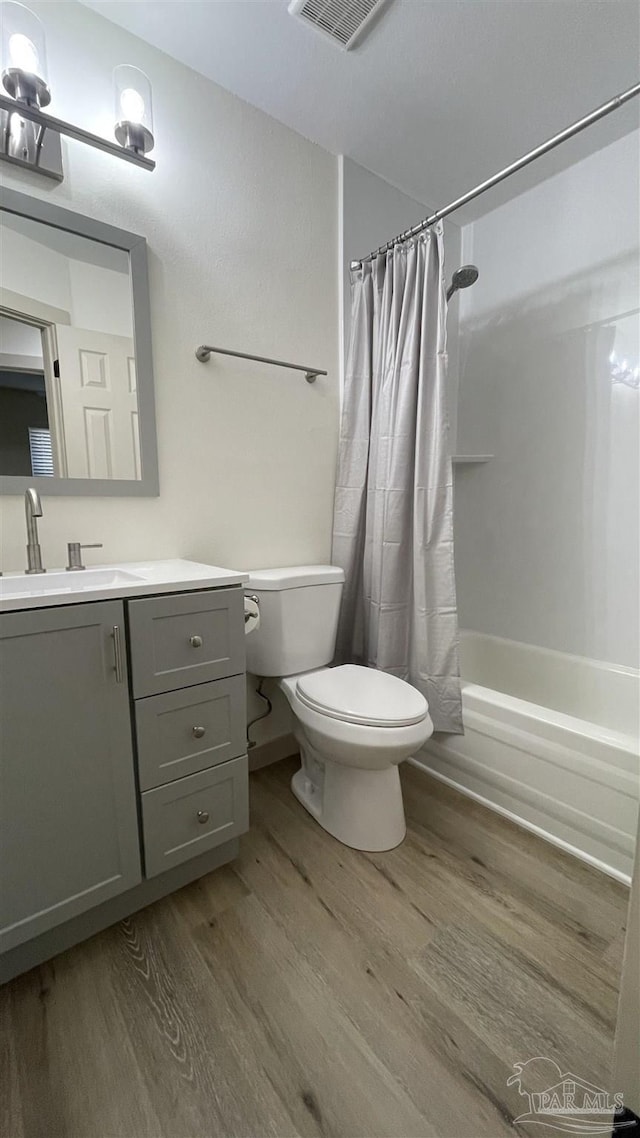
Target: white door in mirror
99 401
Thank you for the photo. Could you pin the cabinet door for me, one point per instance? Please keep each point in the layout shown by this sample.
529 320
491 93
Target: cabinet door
68 818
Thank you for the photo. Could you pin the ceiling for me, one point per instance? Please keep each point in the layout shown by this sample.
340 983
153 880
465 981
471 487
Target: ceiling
439 95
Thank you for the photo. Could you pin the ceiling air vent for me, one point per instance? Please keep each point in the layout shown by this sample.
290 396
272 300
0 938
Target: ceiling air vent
342 21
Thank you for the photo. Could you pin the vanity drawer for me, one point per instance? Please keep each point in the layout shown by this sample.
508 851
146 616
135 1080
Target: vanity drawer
184 639
192 815
185 731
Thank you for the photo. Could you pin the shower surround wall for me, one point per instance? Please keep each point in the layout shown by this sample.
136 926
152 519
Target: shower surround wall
547 538
547 533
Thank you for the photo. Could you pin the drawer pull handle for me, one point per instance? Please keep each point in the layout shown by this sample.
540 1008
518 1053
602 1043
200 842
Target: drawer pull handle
198 732
203 816
117 654
195 641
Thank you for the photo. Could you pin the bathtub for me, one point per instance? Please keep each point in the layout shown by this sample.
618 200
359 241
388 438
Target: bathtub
551 741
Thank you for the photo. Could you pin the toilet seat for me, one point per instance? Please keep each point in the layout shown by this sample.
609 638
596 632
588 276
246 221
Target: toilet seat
354 694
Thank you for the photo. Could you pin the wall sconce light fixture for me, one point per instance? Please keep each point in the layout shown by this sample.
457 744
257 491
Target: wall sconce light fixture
30 136
24 72
134 115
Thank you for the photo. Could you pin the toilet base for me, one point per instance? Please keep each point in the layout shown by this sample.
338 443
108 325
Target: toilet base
363 809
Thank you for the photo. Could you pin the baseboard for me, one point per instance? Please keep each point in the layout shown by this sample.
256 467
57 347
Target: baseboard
524 823
264 754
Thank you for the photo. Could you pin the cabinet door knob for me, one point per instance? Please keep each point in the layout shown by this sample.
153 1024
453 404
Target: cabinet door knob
203 816
195 641
198 732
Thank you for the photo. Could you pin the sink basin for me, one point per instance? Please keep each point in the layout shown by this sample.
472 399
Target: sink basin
39 584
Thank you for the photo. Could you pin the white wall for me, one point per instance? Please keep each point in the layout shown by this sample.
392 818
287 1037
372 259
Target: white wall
100 299
547 541
19 339
31 269
241 220
94 297
373 212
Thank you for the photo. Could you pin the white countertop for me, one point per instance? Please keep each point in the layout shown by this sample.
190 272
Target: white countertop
103 582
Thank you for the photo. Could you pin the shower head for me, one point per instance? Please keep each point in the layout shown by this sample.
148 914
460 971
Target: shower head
463 277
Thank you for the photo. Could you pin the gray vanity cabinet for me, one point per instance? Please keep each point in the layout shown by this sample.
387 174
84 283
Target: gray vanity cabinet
68 818
123 764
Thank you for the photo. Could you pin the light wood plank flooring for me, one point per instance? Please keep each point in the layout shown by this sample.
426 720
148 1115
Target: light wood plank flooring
311 990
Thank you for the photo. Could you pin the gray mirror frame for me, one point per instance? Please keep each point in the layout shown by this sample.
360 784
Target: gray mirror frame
148 486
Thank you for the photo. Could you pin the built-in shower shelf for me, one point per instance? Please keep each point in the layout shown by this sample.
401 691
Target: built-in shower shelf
469 459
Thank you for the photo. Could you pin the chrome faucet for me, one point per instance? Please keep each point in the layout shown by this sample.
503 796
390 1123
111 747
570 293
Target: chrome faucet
33 510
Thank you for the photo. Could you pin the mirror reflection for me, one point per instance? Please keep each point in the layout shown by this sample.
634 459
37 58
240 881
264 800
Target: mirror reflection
68 392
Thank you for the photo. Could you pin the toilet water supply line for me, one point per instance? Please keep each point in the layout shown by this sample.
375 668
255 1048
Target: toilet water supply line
252 742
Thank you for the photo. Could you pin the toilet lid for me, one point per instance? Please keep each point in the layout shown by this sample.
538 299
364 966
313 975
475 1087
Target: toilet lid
362 695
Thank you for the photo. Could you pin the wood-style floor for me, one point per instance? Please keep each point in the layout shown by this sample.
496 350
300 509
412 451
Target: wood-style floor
311 990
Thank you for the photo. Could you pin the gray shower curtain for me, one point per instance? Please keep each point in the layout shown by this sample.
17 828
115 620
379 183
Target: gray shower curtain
393 518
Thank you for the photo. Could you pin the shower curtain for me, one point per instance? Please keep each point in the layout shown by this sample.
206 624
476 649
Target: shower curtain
393 517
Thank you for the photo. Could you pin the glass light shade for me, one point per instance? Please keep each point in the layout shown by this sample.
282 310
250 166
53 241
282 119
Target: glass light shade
24 56
134 112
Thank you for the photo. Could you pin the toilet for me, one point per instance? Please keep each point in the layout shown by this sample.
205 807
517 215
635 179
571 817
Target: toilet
353 725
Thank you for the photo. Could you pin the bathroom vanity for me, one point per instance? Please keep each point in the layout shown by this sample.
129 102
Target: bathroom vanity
123 767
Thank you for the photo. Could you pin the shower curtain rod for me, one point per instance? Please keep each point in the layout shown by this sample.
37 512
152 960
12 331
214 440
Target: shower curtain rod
544 147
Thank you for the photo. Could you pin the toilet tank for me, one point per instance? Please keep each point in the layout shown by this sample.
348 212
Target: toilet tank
299 609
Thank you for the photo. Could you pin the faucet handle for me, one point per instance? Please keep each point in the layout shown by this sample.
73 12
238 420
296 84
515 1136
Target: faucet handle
74 554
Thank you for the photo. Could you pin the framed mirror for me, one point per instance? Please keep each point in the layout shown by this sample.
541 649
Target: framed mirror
76 379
